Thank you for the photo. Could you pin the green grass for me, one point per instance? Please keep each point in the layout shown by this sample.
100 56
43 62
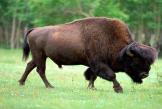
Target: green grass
70 90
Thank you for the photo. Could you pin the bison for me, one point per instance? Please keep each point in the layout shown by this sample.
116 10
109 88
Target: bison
102 44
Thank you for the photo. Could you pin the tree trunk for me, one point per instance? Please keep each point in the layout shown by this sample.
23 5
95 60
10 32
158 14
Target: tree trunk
12 42
1 35
6 32
158 43
147 36
18 34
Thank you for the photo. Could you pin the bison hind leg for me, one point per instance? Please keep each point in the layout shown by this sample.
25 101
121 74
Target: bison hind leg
91 77
30 66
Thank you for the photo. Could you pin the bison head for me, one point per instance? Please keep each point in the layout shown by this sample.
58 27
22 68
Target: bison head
136 60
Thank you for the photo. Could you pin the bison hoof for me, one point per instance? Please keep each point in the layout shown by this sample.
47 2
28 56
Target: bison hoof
92 88
118 89
21 83
49 86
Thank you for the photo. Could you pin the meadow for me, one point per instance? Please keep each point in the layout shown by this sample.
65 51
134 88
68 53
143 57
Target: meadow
70 90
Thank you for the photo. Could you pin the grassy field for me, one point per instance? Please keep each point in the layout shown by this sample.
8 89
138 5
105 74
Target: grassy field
70 90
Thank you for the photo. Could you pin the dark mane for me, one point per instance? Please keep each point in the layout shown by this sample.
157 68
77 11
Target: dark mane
107 37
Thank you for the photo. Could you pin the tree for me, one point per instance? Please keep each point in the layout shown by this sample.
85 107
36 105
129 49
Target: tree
142 16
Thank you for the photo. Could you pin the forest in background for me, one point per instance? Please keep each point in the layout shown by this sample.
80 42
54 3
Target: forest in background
144 17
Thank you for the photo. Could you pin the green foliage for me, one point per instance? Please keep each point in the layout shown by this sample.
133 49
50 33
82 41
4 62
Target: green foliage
143 11
110 9
142 16
49 12
45 12
60 11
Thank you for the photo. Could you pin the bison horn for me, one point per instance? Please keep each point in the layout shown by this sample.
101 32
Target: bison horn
128 52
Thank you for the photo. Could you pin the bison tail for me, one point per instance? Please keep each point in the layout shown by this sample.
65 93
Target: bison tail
26 48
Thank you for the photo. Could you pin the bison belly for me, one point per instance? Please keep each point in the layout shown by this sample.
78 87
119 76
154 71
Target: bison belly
66 48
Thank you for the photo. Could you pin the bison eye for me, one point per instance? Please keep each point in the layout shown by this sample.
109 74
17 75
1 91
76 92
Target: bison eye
135 61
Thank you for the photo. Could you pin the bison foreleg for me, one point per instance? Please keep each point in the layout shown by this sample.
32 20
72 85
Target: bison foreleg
117 87
106 72
91 85
91 77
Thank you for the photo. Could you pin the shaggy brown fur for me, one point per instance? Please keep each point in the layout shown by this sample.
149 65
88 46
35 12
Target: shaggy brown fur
104 45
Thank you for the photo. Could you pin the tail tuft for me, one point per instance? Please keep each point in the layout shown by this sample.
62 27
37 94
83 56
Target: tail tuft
26 48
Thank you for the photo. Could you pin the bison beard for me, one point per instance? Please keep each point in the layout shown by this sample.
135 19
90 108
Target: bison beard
104 45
